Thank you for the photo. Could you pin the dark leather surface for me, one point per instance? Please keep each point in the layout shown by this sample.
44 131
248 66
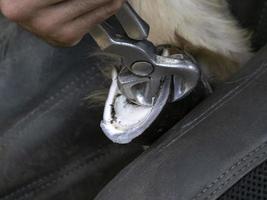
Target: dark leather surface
251 15
51 146
247 11
207 152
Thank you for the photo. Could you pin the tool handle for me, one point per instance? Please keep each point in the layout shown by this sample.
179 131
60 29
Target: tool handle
134 26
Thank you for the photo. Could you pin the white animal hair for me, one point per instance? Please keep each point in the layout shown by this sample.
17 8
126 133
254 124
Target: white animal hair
205 28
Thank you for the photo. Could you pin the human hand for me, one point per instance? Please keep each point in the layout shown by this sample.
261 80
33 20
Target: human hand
60 22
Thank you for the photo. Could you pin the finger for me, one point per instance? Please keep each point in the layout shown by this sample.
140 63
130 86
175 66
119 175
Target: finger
47 37
43 4
54 17
90 19
19 10
69 10
72 32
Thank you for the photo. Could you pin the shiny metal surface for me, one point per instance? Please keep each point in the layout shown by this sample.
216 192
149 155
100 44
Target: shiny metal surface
142 91
135 48
142 68
135 27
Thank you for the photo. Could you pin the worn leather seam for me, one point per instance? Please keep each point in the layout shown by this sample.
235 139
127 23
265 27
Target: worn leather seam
30 189
222 178
242 170
210 110
59 97
232 93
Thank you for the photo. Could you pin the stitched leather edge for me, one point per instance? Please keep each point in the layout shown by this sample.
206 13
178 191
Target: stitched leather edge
232 93
250 160
68 90
46 181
